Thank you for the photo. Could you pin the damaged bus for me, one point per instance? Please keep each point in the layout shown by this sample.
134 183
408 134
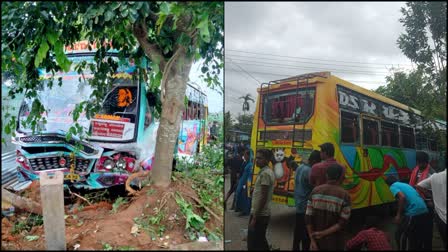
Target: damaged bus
122 134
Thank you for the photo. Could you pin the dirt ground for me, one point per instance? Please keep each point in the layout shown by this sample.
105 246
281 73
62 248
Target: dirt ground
96 228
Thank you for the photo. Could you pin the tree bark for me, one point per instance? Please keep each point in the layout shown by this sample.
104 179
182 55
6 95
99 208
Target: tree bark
172 107
21 202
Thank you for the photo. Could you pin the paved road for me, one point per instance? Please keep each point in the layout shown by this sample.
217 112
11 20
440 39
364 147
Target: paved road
281 227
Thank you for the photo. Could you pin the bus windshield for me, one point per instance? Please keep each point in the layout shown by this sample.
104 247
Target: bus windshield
115 121
59 101
286 107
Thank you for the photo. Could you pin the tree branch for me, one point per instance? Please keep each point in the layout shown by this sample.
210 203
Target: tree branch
140 31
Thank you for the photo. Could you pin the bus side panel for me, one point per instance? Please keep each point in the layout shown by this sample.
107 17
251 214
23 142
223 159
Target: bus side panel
365 174
189 137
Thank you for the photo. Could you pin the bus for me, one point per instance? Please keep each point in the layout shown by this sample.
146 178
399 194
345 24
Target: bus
374 136
122 134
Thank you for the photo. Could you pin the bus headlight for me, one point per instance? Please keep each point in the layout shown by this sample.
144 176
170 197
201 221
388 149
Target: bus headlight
121 164
109 164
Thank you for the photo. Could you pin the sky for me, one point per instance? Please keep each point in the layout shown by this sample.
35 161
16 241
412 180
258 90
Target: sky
214 98
265 41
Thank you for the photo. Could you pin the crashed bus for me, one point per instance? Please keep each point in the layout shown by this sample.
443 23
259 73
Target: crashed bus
122 134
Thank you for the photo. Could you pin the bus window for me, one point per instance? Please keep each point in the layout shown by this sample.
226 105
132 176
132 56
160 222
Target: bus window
370 132
407 137
421 141
121 101
432 144
287 107
389 134
349 127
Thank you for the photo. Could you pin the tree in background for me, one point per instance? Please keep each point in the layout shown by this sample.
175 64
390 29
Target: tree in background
228 124
166 36
246 98
424 43
244 122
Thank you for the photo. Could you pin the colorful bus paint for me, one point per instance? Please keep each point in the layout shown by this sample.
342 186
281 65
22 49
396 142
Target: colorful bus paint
295 115
123 135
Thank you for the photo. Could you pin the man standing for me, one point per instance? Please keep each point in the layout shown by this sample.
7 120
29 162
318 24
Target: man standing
437 185
235 166
327 211
412 226
318 171
302 190
422 171
261 202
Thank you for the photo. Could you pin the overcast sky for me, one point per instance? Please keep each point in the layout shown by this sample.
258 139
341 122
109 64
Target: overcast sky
266 41
214 99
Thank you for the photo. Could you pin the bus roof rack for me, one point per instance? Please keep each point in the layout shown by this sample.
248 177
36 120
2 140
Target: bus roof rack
304 76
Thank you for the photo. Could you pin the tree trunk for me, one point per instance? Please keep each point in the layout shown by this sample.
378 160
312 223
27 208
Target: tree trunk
21 202
172 107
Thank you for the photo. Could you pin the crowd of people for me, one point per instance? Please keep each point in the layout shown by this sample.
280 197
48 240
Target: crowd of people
323 207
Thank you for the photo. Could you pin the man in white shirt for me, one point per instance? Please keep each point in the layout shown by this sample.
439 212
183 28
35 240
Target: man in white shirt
437 185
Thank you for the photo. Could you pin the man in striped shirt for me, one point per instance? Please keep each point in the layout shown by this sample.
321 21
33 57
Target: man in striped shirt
327 211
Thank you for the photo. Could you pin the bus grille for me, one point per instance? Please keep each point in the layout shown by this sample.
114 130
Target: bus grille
49 163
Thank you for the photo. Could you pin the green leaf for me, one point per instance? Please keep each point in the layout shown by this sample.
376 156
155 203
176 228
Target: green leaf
115 5
160 21
31 237
109 15
203 29
164 8
41 53
52 37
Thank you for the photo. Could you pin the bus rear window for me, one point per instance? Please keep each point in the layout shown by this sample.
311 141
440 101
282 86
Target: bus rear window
288 107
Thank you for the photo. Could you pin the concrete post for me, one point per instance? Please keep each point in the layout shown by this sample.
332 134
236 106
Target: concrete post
52 195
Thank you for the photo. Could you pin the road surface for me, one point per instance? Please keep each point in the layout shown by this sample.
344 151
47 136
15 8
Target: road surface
281 227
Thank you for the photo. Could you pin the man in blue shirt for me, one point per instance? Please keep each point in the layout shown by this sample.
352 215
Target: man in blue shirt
411 216
302 190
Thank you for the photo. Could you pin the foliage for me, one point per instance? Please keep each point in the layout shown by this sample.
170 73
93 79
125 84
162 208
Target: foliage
228 124
107 247
421 19
27 223
31 237
424 43
151 224
194 221
118 202
152 34
205 173
244 123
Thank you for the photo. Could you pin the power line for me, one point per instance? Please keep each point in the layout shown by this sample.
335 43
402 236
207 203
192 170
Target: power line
307 62
245 71
288 75
295 57
253 63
